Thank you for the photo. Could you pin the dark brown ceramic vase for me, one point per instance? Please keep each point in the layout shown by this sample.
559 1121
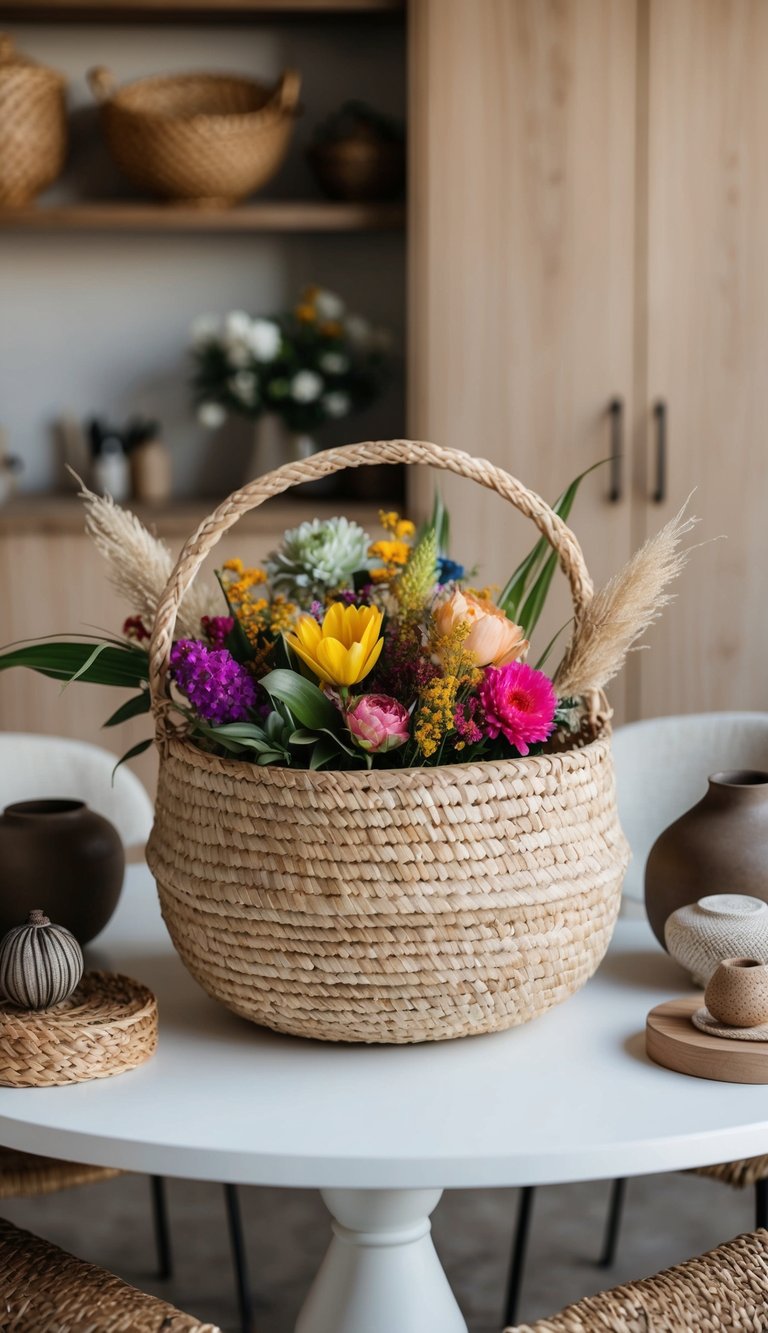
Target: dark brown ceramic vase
719 846
63 858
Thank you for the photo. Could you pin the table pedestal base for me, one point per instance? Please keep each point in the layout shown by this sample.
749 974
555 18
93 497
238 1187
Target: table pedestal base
381 1273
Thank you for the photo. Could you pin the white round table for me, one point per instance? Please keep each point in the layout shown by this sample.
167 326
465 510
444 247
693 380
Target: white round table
383 1130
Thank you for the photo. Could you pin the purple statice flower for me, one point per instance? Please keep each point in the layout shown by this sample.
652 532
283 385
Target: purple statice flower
217 629
218 687
317 610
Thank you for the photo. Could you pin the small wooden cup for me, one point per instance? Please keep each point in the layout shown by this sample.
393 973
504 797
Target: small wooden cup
737 993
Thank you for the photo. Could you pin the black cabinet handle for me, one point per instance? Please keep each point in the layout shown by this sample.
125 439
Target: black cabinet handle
616 414
660 417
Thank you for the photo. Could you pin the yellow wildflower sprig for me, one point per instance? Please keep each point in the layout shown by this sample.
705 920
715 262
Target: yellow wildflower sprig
395 550
438 699
261 616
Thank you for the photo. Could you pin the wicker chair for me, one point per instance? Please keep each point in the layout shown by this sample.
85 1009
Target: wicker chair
661 769
33 766
725 1291
45 1290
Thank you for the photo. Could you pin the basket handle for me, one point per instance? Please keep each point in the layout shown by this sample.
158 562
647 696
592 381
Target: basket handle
101 82
324 464
287 89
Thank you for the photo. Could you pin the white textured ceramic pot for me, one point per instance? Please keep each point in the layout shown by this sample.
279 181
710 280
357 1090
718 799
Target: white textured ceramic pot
723 925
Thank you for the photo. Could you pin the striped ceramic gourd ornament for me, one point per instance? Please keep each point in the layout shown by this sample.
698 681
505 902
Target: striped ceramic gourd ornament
40 963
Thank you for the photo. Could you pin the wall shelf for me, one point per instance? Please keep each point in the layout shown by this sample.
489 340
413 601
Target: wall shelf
291 216
196 11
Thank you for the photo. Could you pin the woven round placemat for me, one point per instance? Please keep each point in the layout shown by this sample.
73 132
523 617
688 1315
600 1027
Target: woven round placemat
703 1020
109 1025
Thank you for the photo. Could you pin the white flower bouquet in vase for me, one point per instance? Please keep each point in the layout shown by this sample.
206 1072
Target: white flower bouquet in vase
291 373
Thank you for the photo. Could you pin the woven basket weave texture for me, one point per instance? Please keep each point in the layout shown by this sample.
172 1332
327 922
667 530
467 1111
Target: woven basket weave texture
200 138
107 1026
33 127
45 1290
724 1291
393 905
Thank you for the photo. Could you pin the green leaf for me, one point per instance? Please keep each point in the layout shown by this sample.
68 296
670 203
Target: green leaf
133 753
306 701
302 737
441 522
134 707
324 751
517 585
528 616
550 646
100 664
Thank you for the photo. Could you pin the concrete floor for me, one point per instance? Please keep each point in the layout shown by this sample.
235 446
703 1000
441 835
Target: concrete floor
668 1218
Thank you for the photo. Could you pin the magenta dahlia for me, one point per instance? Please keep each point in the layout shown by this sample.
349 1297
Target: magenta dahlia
518 703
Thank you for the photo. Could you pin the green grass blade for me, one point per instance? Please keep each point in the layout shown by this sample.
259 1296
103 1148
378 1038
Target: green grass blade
550 646
134 707
518 584
133 753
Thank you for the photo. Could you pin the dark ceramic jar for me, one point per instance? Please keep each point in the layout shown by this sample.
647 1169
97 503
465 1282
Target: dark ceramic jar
719 846
63 858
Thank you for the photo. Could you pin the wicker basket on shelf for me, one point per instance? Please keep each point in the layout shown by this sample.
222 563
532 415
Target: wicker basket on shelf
33 126
394 905
206 139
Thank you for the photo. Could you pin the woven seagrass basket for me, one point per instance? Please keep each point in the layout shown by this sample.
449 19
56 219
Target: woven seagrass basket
205 139
395 905
33 126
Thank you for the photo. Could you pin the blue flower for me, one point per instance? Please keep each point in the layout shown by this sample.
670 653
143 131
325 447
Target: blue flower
449 571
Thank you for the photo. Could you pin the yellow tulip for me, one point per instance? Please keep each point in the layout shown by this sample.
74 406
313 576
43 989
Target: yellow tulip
344 648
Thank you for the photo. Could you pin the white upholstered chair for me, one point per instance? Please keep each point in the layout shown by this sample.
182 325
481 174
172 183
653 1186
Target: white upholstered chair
33 767
662 766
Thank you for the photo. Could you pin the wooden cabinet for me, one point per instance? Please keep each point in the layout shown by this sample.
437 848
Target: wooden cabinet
589 210
705 341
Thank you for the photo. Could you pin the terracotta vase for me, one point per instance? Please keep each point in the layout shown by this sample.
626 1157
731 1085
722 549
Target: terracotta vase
719 846
61 857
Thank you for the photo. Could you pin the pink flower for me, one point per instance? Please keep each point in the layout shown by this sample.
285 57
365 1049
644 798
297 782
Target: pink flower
378 723
518 702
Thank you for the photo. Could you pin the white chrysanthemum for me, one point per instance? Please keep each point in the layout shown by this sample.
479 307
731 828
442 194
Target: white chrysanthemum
306 386
237 326
245 387
205 329
264 339
334 363
336 404
211 415
328 305
317 558
358 331
238 355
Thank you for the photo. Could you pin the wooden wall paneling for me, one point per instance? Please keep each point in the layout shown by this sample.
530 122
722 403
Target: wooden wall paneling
55 582
522 204
707 346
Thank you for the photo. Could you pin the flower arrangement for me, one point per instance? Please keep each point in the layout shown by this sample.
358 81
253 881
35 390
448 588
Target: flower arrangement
350 651
313 364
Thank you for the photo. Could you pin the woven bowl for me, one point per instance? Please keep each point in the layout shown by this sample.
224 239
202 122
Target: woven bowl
33 127
395 905
202 139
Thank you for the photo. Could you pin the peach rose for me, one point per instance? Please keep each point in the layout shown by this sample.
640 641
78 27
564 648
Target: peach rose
493 639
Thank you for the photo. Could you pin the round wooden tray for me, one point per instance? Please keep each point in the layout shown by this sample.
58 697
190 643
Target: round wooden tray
672 1040
109 1025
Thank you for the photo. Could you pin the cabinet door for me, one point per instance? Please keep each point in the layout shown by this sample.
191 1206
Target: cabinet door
707 346
522 144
